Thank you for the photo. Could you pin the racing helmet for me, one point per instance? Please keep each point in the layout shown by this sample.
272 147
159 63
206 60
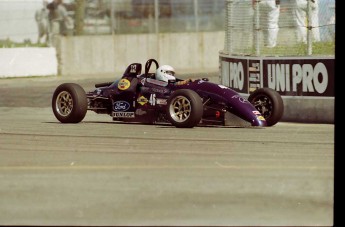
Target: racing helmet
166 73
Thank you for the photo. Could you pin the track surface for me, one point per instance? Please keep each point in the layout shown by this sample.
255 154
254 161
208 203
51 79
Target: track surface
101 172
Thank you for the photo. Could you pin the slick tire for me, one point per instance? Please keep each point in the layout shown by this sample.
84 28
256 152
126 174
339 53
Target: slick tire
184 109
269 103
69 103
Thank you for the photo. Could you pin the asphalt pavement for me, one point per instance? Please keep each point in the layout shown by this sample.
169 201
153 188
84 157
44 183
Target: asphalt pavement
100 172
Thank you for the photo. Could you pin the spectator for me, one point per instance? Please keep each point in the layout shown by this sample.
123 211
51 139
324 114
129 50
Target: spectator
302 22
58 17
41 17
269 11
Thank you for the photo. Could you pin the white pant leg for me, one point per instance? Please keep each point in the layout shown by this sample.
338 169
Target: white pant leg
301 20
270 16
273 28
314 21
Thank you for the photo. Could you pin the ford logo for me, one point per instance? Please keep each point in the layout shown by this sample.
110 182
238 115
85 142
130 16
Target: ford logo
121 106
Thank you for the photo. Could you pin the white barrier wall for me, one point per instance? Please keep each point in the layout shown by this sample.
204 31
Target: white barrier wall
27 61
113 53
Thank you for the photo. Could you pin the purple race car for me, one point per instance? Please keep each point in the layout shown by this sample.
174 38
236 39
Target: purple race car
137 97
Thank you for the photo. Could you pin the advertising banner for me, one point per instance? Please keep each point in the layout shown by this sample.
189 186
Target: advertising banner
288 76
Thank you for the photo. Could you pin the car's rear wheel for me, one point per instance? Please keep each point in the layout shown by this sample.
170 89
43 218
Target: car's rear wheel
269 103
185 108
69 103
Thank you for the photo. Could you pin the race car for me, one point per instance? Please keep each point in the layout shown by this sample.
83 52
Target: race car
140 97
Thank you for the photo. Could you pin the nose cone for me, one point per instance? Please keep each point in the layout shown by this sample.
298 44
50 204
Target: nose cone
259 123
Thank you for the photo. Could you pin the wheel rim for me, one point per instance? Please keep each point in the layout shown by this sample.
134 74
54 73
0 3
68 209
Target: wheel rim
64 103
264 105
180 109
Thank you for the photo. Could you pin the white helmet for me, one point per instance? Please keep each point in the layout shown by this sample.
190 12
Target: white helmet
166 73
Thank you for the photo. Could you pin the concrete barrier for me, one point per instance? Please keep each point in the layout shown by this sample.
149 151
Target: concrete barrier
306 84
112 53
27 61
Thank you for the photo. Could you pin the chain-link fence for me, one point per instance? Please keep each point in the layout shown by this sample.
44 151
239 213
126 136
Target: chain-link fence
153 16
101 17
280 27
252 27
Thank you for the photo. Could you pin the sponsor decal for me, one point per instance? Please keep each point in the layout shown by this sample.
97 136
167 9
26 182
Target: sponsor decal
121 106
254 79
124 84
157 82
312 78
142 100
123 114
160 90
289 77
161 101
222 86
235 73
256 112
261 118
307 77
240 98
139 112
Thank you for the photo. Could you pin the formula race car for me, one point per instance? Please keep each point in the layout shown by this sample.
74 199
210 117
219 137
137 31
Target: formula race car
137 97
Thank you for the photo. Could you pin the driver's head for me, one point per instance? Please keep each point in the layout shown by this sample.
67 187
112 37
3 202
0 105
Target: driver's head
166 73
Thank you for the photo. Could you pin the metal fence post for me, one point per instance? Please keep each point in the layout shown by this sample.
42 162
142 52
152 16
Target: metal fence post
112 18
156 16
309 29
79 17
257 28
229 26
196 15
225 50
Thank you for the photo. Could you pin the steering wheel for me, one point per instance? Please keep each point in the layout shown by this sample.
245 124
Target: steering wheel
148 66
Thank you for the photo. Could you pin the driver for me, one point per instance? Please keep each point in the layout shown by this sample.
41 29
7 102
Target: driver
167 73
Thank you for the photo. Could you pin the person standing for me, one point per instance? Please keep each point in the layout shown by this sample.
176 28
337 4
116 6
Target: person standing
59 20
302 21
269 11
41 17
58 17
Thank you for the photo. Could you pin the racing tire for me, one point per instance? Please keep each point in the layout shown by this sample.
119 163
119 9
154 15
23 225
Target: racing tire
69 103
269 103
184 109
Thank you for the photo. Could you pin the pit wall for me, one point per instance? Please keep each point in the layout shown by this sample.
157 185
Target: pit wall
305 84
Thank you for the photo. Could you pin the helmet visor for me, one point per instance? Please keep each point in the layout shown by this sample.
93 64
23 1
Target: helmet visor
171 73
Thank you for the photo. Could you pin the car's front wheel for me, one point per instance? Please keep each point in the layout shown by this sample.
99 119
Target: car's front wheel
269 103
185 108
69 103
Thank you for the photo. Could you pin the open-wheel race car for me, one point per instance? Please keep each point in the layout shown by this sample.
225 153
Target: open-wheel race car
141 98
